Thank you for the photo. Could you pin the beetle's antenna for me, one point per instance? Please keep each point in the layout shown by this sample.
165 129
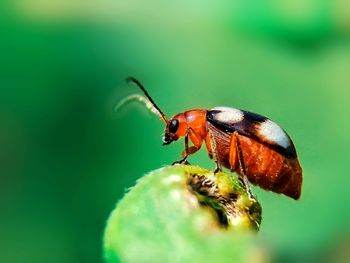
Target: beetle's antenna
148 102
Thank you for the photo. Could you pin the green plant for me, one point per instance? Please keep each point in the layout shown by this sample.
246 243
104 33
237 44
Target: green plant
184 214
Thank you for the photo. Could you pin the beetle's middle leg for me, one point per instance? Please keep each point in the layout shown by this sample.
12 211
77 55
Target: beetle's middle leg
214 152
241 165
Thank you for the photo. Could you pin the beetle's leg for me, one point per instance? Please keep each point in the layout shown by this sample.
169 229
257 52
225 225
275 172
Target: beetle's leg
190 150
185 153
214 152
242 167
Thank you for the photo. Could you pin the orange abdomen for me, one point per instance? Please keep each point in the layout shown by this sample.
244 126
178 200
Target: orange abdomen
265 167
269 169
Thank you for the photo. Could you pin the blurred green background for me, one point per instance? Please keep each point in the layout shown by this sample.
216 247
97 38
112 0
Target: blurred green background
65 157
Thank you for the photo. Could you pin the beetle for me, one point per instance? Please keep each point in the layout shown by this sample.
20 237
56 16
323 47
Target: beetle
251 145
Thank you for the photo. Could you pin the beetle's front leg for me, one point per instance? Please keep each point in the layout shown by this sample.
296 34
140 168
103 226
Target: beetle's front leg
197 141
185 153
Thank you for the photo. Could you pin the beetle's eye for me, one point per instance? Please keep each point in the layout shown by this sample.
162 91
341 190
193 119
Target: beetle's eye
174 124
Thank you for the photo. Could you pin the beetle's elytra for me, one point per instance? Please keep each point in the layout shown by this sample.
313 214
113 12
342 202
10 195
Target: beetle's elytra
251 145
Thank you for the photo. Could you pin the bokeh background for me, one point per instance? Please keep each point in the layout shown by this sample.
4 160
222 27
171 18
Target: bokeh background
66 158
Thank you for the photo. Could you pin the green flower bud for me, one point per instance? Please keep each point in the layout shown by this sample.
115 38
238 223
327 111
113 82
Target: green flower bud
183 213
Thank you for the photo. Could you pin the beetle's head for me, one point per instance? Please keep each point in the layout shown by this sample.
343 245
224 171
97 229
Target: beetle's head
175 129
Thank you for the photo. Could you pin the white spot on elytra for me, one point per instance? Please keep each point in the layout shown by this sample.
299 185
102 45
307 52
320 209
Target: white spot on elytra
228 115
274 133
